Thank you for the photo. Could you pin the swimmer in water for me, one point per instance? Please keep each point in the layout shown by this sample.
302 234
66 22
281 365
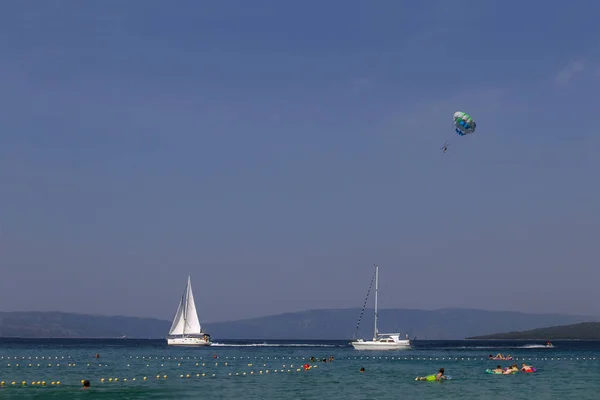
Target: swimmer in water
498 370
525 367
437 377
511 370
86 384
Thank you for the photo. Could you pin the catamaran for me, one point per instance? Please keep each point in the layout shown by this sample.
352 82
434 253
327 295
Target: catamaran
186 329
381 341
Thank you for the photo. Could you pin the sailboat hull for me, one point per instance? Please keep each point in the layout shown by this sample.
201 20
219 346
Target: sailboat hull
188 341
370 345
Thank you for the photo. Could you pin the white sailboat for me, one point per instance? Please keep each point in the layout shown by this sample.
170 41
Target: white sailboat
186 329
381 341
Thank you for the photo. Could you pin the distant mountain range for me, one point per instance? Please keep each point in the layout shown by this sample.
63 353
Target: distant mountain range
581 331
444 324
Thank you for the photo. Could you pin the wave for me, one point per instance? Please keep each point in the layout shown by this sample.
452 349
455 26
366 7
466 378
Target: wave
215 344
526 346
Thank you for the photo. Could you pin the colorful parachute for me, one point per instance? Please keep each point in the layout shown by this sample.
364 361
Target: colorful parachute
463 125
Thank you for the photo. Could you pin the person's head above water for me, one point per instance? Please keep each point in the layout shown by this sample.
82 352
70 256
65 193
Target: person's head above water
442 371
86 384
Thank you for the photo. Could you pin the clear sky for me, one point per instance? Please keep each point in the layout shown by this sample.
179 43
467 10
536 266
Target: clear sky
276 150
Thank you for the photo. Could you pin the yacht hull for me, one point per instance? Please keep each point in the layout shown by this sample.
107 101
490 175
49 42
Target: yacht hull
188 341
365 345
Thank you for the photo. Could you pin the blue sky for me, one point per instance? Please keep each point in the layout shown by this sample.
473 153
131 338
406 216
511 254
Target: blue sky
277 151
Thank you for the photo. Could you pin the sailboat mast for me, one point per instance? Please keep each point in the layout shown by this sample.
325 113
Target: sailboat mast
185 303
376 290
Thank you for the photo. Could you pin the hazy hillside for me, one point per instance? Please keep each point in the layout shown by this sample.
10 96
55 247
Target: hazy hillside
582 331
66 325
315 324
340 324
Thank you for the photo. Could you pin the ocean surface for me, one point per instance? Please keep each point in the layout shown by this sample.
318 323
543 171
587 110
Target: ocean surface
148 369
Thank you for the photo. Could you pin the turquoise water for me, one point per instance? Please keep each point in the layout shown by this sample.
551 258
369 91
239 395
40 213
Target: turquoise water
246 370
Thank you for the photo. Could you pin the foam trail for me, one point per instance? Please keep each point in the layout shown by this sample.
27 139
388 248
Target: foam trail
215 344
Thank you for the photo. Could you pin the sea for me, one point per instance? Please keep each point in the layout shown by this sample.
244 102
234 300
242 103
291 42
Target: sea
149 369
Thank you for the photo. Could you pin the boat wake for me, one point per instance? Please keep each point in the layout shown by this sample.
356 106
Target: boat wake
273 345
533 346
526 346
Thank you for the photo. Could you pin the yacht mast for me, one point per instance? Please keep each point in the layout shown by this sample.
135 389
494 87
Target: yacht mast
376 290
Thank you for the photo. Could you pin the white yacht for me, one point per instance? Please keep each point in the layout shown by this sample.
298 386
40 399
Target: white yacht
381 341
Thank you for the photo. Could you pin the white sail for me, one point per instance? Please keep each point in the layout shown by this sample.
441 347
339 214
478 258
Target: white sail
186 320
178 321
192 323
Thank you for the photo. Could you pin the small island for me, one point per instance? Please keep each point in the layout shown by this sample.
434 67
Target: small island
581 331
